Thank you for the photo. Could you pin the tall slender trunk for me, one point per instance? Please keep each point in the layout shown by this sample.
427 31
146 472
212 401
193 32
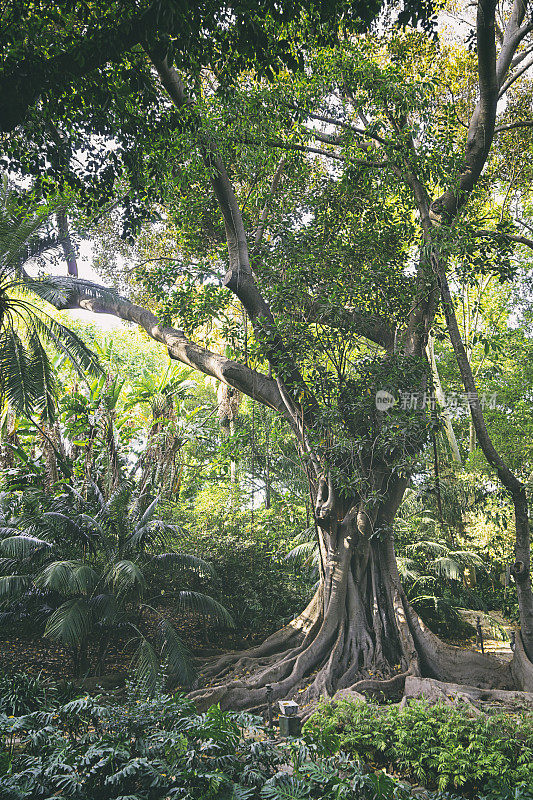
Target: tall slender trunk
521 569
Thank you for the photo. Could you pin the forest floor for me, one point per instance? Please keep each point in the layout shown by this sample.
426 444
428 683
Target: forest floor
496 633
23 650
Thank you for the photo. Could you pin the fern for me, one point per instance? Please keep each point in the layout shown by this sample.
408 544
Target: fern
285 787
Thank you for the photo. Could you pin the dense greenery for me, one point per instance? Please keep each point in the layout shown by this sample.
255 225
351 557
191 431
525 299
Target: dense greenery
438 747
161 748
93 749
323 212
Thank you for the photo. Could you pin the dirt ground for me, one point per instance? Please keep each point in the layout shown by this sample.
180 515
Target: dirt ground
496 633
22 651
34 654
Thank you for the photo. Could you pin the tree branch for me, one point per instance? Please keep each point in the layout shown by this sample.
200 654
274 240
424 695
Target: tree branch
260 230
303 148
239 278
89 296
21 87
523 123
513 35
510 236
371 326
509 82
482 123
66 242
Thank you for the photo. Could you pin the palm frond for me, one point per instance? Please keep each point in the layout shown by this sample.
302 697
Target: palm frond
304 553
126 575
22 546
71 623
408 568
427 546
145 664
67 525
447 567
46 384
11 586
148 514
176 655
17 377
83 579
105 608
57 576
69 344
7 530
187 561
205 605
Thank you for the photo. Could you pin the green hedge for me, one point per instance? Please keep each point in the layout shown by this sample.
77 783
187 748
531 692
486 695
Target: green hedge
161 749
438 746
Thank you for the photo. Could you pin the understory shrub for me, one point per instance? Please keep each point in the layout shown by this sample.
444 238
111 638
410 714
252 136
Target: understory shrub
437 746
21 693
161 749
253 579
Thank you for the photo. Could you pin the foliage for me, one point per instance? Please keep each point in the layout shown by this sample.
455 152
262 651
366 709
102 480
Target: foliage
27 381
21 693
98 573
438 746
92 749
253 579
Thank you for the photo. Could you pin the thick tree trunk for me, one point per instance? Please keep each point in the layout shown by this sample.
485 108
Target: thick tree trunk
358 632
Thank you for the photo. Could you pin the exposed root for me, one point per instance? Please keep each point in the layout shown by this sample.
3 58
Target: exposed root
386 689
452 693
269 651
367 640
448 663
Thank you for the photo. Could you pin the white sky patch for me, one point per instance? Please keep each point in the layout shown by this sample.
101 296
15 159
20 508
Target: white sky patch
86 271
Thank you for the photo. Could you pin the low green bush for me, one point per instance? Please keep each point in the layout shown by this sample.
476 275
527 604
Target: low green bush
21 693
437 746
162 749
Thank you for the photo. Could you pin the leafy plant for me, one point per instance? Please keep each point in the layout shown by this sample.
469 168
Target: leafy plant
101 572
437 746
21 693
150 749
27 380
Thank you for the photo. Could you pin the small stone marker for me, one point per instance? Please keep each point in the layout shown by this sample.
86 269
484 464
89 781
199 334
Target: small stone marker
289 722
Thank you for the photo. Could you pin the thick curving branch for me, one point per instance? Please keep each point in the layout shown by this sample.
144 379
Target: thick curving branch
483 120
239 278
92 297
69 251
373 327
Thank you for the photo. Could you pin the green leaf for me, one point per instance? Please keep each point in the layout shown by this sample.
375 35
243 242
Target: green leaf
176 655
146 666
201 603
71 623
22 546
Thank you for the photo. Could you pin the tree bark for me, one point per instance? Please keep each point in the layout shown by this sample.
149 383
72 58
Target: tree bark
521 569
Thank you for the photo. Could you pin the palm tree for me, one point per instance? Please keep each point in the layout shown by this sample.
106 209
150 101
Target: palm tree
26 377
432 569
103 569
172 424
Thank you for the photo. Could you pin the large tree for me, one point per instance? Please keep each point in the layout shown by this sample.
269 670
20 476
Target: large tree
340 308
